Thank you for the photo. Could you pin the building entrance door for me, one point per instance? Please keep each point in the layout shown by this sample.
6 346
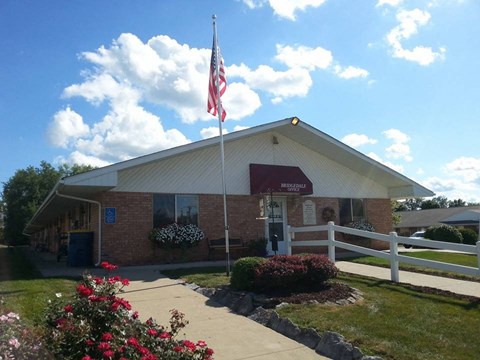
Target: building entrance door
276 225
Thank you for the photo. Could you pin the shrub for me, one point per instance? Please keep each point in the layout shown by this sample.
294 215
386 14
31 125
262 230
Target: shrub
444 232
243 272
294 272
97 324
470 237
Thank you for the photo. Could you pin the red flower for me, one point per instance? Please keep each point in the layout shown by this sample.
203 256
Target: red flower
143 350
125 282
165 335
87 357
132 341
201 343
189 345
108 354
107 266
135 315
84 290
103 346
178 349
107 337
98 281
68 308
209 352
152 332
89 342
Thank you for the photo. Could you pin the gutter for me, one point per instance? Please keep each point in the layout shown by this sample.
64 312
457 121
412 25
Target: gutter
99 255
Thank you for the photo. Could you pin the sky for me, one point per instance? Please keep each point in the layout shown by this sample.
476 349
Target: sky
97 82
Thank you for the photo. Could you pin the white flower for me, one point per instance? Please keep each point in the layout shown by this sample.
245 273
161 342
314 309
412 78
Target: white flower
58 295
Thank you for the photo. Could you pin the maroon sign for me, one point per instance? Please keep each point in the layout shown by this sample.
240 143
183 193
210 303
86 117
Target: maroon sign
278 179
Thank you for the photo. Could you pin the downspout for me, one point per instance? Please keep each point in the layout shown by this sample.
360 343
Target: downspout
99 256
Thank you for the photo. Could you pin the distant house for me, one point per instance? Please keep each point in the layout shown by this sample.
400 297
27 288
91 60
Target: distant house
412 221
277 174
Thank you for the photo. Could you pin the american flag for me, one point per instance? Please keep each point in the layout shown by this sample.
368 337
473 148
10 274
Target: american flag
213 99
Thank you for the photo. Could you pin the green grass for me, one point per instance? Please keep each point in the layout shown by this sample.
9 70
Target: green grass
452 258
23 290
398 322
395 321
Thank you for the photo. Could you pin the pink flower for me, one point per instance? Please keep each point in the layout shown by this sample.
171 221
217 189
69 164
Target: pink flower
152 332
103 346
189 345
14 342
87 357
107 266
89 342
201 343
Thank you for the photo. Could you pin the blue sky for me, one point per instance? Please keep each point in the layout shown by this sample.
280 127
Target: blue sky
102 81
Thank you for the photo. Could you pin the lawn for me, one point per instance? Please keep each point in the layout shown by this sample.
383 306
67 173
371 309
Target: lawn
23 290
452 258
395 321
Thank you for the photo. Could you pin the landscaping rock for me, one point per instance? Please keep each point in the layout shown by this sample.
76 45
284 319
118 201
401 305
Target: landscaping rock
290 330
274 321
244 305
333 345
308 337
208 292
261 315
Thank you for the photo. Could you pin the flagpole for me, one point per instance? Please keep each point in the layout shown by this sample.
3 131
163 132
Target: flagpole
222 152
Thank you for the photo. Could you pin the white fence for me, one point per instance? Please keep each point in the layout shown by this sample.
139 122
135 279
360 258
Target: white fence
392 256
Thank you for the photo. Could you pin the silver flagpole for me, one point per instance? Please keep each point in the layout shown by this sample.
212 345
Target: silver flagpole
220 113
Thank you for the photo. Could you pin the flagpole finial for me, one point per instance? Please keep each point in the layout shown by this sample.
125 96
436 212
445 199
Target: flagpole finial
214 17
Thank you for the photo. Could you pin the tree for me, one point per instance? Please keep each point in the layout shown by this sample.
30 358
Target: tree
457 203
410 204
25 191
396 218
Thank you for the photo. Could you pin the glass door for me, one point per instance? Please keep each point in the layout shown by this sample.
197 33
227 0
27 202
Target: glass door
276 225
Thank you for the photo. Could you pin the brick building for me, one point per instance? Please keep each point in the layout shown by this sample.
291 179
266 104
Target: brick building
277 174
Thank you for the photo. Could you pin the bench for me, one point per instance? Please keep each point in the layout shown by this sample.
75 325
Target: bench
219 244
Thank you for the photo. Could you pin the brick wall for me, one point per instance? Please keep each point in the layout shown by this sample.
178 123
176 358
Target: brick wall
379 213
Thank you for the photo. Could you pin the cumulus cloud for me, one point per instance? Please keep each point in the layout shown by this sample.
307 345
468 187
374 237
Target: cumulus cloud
304 57
285 8
466 167
211 131
396 167
393 3
357 140
409 22
351 72
400 148
66 126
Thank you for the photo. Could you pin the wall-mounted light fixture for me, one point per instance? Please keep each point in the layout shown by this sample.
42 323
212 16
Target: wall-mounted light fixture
295 120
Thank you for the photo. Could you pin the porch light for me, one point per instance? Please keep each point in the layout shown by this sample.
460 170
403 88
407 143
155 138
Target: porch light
295 120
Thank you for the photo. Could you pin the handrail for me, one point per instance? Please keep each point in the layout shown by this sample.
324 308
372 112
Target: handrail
393 239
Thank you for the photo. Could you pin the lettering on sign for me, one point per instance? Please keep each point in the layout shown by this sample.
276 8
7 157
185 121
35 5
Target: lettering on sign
293 187
309 213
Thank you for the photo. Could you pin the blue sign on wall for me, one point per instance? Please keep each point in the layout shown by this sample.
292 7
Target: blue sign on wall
110 215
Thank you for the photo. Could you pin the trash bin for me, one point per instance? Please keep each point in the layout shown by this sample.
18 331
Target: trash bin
80 249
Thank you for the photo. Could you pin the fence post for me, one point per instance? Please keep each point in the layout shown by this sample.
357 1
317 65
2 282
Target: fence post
289 240
478 256
331 242
393 257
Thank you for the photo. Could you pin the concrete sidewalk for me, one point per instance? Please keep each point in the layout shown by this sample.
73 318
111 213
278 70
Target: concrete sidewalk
463 287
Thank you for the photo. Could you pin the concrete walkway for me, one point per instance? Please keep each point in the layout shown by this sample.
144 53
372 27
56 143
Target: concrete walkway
233 337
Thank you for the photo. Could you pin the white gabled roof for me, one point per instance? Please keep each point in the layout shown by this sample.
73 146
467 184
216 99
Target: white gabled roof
399 185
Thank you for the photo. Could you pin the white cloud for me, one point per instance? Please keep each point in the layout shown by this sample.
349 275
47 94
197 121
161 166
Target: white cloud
393 3
240 127
399 149
304 57
351 72
409 22
396 167
280 84
212 131
66 126
466 167
285 8
357 140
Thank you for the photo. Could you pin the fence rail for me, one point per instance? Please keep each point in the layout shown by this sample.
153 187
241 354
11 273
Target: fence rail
393 256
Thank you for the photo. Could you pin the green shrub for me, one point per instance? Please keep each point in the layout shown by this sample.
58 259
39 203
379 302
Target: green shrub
470 237
444 233
243 272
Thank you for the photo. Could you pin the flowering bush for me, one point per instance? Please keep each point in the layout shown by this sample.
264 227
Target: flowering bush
17 341
294 272
177 236
361 225
97 324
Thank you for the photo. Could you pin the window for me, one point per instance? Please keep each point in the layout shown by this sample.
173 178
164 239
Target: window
351 210
169 208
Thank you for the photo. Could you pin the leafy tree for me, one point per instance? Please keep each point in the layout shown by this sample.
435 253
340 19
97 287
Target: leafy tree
410 204
456 203
25 191
442 201
396 218
430 204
